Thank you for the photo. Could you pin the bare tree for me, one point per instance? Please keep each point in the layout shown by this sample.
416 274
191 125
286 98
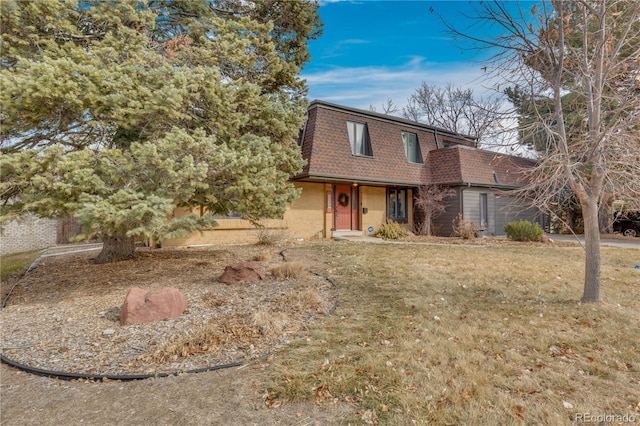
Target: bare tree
431 200
388 107
584 58
455 109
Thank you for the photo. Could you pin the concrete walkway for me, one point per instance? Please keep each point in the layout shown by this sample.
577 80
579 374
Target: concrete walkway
609 242
359 238
605 242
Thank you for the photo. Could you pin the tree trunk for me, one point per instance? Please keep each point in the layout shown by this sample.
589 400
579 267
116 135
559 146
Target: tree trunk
116 247
605 217
592 256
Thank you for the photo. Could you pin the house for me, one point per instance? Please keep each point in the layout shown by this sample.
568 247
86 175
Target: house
363 168
30 232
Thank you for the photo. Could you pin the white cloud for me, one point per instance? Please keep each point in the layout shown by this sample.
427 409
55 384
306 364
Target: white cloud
360 87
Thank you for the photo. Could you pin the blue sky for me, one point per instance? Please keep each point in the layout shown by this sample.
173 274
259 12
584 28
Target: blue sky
372 51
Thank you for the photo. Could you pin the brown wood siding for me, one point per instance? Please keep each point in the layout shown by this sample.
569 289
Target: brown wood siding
509 208
442 224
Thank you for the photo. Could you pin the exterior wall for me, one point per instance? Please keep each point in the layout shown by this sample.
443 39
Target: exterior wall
310 216
375 200
443 223
305 218
471 207
29 233
502 207
509 208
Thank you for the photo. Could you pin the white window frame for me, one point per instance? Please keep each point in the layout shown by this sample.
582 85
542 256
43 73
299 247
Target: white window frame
411 148
359 139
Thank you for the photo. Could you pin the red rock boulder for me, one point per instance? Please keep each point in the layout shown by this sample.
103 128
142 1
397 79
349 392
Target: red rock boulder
245 272
142 306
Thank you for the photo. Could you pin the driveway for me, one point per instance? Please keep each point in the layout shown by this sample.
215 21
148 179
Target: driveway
611 242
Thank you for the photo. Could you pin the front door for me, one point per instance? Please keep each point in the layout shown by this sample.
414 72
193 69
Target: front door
343 205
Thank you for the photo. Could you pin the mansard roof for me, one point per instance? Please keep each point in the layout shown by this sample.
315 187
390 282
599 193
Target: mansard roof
460 165
447 157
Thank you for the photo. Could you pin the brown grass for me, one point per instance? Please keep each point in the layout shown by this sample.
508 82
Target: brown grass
263 256
486 335
288 271
238 328
211 300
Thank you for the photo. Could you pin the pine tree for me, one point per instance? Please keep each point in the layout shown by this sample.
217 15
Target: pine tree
119 112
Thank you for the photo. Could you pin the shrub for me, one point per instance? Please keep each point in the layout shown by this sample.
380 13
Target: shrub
391 231
463 229
262 256
523 231
288 270
269 236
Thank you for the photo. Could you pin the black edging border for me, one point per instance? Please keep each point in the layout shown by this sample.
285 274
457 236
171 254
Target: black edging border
101 377
61 375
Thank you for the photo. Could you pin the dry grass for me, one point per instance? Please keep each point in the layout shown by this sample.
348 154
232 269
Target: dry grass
263 256
238 329
211 300
288 271
270 236
486 335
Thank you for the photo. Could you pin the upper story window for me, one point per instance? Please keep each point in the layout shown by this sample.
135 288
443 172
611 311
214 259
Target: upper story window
411 147
359 139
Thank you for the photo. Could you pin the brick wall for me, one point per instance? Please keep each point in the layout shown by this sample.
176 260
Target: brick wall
305 218
375 200
29 233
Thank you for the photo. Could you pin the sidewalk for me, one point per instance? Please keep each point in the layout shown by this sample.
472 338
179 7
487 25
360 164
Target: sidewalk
609 242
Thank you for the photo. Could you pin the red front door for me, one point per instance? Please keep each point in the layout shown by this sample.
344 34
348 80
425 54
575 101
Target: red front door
343 207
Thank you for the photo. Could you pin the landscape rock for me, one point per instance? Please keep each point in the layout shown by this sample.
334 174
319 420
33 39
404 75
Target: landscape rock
244 272
141 306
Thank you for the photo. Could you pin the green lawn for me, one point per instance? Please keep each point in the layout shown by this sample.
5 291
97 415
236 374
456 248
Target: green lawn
481 335
16 262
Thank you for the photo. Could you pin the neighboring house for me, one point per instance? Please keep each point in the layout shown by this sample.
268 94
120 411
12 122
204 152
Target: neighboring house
27 233
33 233
363 168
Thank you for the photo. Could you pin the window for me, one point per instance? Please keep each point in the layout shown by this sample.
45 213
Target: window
230 215
484 211
397 205
411 147
359 138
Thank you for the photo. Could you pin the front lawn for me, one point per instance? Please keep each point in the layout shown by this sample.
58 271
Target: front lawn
480 335
18 262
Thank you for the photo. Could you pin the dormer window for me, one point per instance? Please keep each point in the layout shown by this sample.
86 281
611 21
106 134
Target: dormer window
359 139
411 147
